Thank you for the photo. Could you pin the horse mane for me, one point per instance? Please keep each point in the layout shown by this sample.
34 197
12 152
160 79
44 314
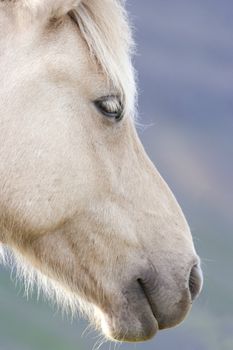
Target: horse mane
105 27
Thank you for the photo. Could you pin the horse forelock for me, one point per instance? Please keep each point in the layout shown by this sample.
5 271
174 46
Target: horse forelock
105 27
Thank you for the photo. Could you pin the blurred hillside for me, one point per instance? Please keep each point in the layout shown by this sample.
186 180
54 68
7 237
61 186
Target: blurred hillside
185 68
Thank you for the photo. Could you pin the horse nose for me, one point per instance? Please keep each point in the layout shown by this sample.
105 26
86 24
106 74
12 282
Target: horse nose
159 294
195 281
156 299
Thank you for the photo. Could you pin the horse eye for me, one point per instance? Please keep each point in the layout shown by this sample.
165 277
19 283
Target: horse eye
111 107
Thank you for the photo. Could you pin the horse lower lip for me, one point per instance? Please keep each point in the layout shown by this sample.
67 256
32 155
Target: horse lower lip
148 298
128 333
138 323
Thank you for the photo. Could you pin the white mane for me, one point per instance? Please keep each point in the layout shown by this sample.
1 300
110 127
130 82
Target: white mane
105 27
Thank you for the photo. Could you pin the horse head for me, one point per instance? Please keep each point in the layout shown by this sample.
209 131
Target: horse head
80 200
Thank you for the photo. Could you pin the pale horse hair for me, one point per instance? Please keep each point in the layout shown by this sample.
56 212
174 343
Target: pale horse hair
105 28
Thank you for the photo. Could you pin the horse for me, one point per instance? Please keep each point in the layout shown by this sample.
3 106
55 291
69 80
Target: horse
83 210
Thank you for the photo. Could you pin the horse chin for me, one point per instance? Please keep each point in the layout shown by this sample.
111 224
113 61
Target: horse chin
127 324
130 329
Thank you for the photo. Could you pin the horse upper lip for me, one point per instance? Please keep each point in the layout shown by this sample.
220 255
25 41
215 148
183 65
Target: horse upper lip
168 317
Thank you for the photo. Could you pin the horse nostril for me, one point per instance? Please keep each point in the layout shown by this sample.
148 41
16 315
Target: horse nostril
195 282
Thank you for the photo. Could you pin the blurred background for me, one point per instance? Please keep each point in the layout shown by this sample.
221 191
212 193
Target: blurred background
185 72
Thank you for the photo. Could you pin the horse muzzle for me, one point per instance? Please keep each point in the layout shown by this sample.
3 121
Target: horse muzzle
149 303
